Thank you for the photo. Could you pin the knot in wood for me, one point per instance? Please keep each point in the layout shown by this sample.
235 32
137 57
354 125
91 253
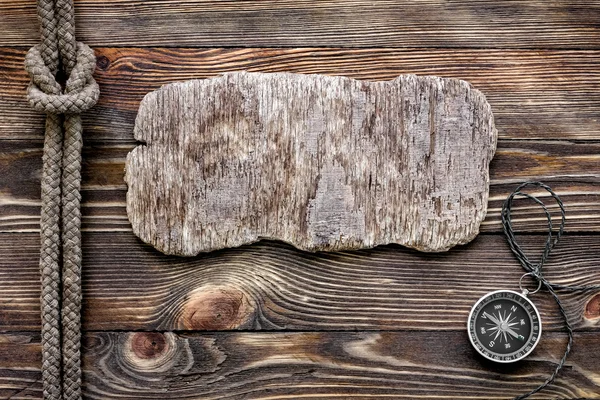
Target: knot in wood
592 308
149 352
102 62
217 308
148 345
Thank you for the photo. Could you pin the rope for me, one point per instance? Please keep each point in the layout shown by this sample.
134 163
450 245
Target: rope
535 269
59 54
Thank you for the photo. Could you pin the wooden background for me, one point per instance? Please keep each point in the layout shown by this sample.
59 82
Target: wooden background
267 321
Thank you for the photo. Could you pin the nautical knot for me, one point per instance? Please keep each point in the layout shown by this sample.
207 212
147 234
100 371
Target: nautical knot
45 93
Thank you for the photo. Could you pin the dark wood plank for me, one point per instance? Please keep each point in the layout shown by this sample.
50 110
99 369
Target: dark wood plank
412 306
534 94
416 365
294 23
20 364
271 286
572 169
322 365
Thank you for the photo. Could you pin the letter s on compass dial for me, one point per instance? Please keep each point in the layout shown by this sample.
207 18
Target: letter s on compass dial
504 326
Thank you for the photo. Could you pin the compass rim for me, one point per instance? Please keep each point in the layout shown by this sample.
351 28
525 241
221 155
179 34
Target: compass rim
537 313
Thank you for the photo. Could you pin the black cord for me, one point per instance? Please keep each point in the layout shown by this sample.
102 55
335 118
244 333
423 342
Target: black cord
535 269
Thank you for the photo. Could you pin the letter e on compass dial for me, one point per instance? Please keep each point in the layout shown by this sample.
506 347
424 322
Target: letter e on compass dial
504 326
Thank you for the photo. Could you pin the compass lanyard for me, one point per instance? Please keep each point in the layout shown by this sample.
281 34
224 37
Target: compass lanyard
534 270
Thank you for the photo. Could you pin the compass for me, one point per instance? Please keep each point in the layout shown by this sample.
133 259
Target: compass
504 326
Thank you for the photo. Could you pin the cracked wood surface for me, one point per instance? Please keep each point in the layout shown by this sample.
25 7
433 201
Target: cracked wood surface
323 163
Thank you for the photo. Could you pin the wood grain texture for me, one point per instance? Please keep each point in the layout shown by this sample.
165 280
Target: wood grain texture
345 23
20 364
323 163
272 286
415 365
322 365
548 92
572 169
534 94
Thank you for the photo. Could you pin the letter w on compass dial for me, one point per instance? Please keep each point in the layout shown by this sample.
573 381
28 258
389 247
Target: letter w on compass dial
505 325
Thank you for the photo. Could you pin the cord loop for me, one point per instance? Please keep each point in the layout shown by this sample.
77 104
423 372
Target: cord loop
535 270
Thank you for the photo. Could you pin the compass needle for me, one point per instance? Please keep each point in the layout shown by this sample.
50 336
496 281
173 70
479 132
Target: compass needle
515 334
498 332
504 326
492 318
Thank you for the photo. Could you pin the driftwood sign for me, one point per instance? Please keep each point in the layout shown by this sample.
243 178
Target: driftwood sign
324 163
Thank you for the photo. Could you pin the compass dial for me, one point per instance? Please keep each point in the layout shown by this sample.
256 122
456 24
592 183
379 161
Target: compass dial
504 326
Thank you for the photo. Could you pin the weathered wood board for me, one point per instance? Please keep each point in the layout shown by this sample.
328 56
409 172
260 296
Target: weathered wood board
537 24
439 365
324 163
272 286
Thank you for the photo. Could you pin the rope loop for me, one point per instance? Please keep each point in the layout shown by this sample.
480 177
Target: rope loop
533 269
45 93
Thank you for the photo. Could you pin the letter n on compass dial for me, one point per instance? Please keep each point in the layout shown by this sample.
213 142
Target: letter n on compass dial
504 326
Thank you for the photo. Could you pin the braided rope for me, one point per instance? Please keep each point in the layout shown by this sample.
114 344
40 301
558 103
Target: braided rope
59 52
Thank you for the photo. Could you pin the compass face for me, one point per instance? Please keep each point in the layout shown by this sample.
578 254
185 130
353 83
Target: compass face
504 326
